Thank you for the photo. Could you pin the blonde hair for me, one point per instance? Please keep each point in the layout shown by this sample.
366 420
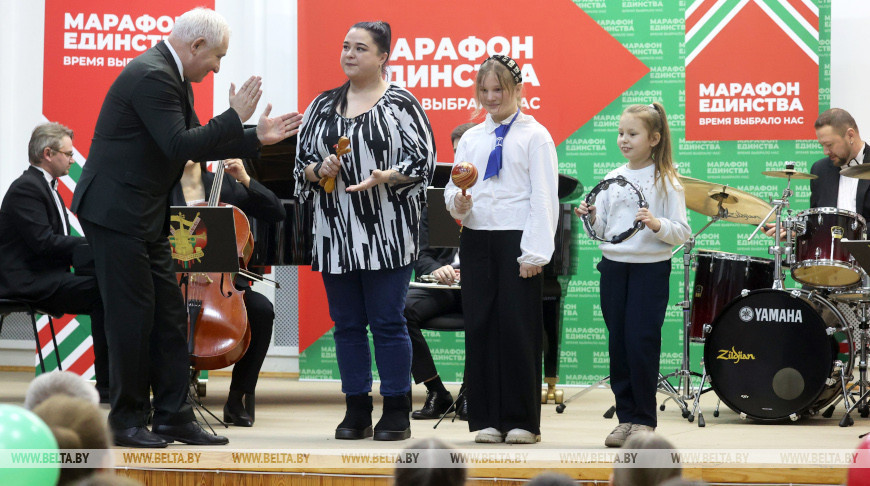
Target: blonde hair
76 423
654 119
505 81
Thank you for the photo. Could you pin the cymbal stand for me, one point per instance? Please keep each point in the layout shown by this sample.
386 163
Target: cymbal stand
776 249
685 373
861 402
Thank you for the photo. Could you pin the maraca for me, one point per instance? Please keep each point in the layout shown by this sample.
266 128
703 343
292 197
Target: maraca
464 175
341 148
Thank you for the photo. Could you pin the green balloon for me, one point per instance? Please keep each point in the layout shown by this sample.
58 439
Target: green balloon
21 429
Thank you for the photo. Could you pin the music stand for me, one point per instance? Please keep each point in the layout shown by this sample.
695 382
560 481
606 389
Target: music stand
203 240
443 229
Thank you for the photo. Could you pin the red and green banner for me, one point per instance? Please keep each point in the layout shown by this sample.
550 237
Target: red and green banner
752 69
704 60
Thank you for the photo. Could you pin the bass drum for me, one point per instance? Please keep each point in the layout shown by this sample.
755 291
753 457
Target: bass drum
776 354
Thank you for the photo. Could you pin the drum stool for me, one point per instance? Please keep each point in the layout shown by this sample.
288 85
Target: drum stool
9 306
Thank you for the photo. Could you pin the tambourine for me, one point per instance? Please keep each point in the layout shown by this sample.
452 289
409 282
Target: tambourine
590 200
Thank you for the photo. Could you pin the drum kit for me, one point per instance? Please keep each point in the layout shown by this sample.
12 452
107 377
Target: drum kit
772 353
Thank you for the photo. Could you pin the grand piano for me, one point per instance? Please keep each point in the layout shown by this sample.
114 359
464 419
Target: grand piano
290 242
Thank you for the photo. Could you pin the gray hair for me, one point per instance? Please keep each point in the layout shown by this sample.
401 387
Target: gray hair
427 474
655 451
201 22
57 382
550 478
46 135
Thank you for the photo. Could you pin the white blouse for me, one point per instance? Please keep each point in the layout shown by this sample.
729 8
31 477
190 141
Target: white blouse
524 196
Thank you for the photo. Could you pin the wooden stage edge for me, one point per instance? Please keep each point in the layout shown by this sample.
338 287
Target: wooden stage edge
296 419
493 477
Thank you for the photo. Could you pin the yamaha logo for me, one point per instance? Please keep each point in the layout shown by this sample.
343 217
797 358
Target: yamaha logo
762 314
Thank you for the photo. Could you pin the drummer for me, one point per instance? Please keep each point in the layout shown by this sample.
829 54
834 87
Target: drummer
838 135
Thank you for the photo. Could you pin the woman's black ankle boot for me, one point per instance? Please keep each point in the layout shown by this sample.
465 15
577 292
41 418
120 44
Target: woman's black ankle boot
395 423
357 423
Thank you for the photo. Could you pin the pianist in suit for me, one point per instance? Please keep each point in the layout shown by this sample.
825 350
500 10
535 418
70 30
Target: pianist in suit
36 245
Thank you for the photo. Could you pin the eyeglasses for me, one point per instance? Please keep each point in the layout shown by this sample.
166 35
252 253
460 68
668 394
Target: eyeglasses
68 154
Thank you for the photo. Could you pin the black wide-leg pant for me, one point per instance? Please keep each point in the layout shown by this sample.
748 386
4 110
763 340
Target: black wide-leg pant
503 333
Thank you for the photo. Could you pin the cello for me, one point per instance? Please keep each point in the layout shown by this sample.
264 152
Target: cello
218 330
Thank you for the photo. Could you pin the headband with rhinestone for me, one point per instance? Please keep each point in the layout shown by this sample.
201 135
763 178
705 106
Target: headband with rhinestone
511 66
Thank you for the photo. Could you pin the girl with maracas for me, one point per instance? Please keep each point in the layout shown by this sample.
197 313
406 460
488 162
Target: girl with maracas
509 223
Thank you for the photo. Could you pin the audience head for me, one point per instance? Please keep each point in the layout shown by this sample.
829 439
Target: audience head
59 383
106 479
551 479
458 132
76 424
426 472
654 450
682 482
859 472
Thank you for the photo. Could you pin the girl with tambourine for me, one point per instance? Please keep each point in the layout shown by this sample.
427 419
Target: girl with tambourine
507 237
635 271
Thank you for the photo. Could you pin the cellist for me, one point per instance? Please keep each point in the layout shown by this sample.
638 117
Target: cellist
240 190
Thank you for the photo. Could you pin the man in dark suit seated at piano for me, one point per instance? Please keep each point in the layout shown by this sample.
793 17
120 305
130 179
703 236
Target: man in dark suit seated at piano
424 304
36 247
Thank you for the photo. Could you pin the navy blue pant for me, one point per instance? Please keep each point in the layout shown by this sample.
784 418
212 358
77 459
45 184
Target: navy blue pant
373 298
634 298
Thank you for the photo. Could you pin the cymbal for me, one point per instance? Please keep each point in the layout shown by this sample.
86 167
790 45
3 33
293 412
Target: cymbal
704 197
789 174
858 171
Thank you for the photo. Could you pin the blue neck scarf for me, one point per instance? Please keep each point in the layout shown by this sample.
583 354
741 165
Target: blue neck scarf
494 163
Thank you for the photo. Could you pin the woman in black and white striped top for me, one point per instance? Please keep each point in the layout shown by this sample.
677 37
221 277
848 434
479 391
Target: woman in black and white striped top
366 229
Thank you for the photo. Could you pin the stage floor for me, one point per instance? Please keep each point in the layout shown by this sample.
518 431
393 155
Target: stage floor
294 416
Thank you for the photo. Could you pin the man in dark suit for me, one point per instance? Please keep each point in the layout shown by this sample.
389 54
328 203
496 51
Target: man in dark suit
841 143
146 131
838 134
36 247
424 304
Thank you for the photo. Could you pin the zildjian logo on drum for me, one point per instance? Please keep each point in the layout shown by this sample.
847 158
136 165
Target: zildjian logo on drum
764 314
729 354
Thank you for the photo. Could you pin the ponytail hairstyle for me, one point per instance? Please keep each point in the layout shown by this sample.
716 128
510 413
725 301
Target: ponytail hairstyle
655 121
382 37
509 80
